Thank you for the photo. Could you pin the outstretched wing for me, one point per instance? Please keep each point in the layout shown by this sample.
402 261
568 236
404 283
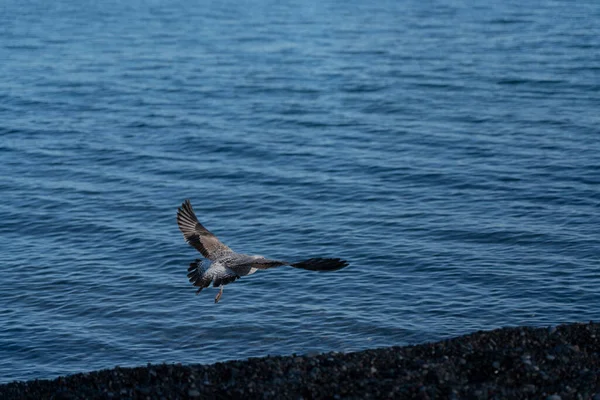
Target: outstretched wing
312 264
321 264
197 235
265 263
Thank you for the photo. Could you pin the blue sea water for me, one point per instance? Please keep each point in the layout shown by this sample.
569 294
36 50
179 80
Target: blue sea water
449 150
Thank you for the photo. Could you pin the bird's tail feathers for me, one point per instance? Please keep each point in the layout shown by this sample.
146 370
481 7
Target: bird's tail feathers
321 264
197 275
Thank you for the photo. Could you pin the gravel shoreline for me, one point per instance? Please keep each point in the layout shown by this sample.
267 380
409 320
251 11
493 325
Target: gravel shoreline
553 363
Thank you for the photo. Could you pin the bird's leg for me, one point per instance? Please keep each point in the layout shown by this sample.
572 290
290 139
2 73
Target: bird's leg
218 296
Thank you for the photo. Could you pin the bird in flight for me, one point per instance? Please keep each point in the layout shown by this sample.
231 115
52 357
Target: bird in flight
225 264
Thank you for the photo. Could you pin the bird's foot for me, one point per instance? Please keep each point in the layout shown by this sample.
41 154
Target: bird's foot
218 296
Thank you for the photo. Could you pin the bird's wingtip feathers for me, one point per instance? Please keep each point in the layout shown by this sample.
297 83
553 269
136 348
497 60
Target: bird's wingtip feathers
321 264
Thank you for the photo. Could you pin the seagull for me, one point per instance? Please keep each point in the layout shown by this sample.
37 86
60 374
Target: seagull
225 265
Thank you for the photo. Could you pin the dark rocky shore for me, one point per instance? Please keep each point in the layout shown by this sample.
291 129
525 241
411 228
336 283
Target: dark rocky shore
543 363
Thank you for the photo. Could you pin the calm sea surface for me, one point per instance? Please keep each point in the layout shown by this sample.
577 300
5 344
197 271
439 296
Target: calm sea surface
450 150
